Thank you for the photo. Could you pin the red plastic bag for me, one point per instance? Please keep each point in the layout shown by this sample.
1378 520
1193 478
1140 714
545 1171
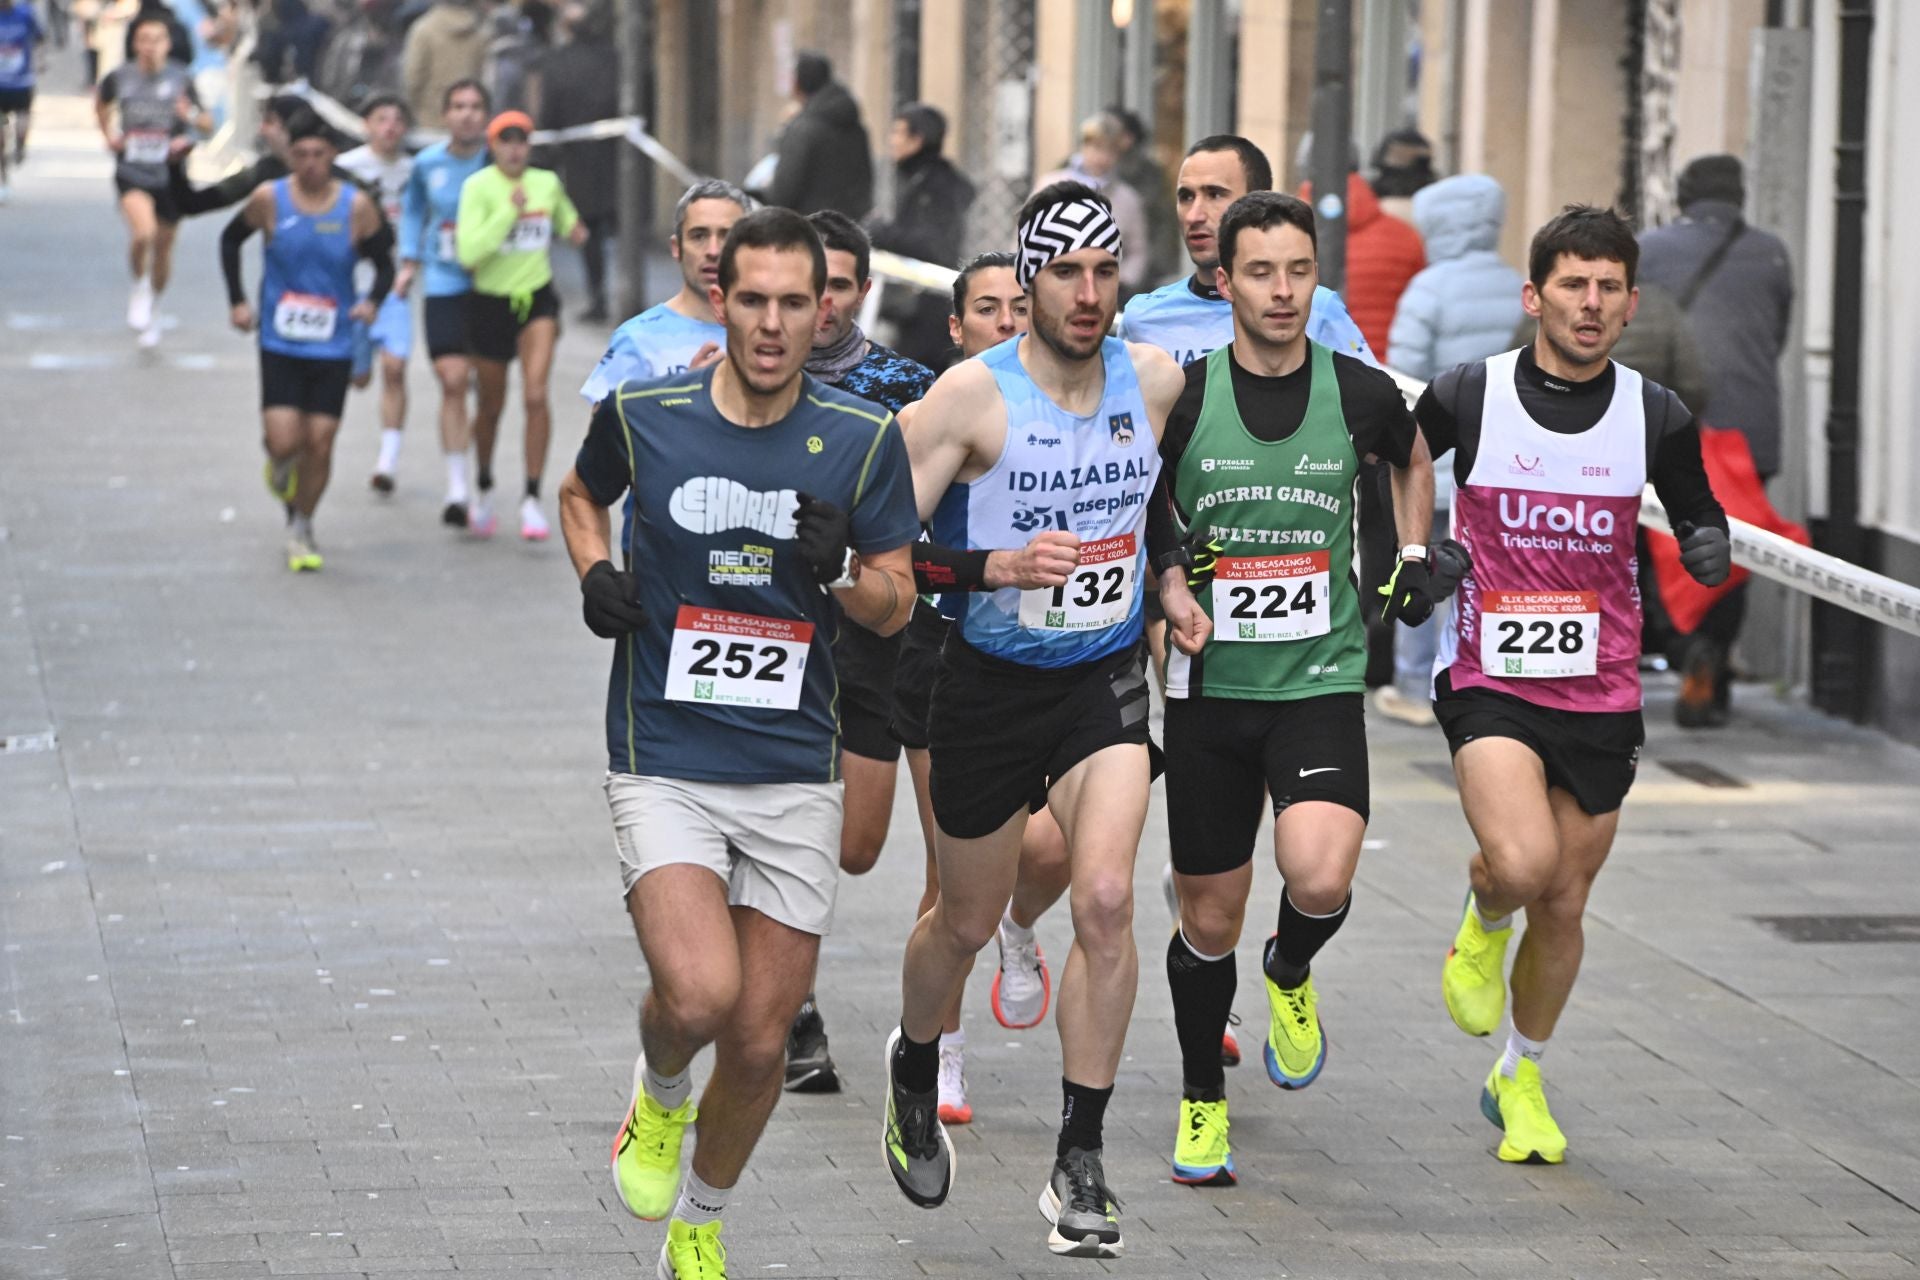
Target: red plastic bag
1736 483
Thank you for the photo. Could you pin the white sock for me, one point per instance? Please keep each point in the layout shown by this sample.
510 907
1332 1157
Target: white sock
954 1039
668 1091
1490 925
456 477
1013 930
390 438
303 524
700 1203
1518 1047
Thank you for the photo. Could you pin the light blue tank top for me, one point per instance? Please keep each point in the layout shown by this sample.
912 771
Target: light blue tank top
1088 475
1187 326
307 286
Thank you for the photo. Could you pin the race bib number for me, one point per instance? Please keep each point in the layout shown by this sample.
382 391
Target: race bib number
146 146
532 233
1266 598
448 250
737 659
1539 635
1098 594
305 317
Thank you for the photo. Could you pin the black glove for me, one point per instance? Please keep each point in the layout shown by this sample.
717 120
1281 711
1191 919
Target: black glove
822 530
1705 552
1448 565
607 602
1197 556
1409 594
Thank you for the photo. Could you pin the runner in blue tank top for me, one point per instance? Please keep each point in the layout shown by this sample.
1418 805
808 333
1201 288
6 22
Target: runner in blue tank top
316 228
1035 461
428 216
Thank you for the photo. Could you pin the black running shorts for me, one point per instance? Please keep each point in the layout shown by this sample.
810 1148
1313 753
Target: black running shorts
913 675
164 209
446 320
493 329
1592 755
1225 755
864 662
311 386
16 101
1001 733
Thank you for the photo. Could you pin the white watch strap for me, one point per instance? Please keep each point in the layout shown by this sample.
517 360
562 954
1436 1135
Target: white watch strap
1413 551
846 578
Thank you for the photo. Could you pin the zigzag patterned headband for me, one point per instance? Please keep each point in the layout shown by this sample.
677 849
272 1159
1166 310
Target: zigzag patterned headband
1060 229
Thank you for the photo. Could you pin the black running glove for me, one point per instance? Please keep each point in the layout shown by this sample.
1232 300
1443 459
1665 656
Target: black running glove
1448 565
607 601
1409 594
1705 552
822 530
1197 556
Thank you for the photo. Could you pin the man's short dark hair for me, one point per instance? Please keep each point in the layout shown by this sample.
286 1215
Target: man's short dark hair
1258 210
811 72
298 120
838 231
925 122
1253 161
380 100
468 82
974 267
309 125
285 106
1584 231
773 229
1066 191
146 17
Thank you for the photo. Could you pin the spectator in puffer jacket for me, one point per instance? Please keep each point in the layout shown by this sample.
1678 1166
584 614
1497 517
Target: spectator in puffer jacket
1383 254
1464 305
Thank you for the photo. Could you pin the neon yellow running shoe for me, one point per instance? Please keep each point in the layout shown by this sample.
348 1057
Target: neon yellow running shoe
1201 1156
283 478
1473 980
646 1156
1518 1107
1295 1048
693 1253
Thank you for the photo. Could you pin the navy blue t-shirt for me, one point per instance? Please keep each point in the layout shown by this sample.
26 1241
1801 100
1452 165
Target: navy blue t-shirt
732 679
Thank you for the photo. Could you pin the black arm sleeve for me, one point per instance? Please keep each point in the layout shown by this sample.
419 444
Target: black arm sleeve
378 249
937 569
230 190
1680 476
231 239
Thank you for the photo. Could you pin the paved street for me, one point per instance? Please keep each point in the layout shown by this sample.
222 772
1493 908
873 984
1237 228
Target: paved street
314 960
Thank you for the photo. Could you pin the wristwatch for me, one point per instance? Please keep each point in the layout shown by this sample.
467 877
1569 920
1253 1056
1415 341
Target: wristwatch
1414 551
849 571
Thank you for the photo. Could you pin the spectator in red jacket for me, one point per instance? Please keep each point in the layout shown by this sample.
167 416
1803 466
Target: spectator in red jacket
1383 254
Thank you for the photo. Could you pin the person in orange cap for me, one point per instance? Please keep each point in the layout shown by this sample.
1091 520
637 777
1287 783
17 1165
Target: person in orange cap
509 214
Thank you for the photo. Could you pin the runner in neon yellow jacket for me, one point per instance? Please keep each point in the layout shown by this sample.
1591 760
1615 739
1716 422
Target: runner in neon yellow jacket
509 213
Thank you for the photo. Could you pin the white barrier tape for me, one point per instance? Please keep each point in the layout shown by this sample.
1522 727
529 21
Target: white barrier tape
1818 574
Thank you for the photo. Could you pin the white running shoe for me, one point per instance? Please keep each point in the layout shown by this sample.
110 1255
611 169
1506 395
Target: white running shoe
140 308
533 522
1022 987
954 1107
481 521
150 336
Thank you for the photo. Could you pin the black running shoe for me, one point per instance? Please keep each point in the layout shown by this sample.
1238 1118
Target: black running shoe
455 515
919 1152
809 1065
1085 1215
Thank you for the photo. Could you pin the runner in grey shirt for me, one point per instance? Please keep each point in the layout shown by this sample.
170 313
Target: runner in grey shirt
146 109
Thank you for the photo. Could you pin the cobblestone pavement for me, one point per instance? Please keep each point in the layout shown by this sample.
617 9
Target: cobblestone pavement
314 962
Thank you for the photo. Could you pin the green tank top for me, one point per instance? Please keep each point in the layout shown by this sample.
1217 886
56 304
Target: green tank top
1284 602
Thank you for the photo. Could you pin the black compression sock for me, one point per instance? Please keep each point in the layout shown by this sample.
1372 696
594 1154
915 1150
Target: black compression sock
1202 998
533 487
1290 952
916 1066
1083 1112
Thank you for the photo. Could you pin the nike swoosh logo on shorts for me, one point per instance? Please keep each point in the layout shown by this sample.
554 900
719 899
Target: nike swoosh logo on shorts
1308 773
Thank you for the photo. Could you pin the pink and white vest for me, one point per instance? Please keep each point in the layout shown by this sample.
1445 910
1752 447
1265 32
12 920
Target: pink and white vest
1551 612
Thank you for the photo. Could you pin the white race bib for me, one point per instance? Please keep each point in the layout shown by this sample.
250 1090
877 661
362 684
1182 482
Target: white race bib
1539 635
532 233
737 659
305 317
146 146
1266 598
449 251
1098 594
